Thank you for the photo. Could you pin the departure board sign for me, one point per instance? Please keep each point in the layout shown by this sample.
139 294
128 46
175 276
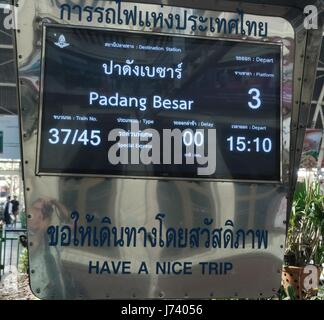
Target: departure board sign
147 105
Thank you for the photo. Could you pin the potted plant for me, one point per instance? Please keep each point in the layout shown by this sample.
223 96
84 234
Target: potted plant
304 244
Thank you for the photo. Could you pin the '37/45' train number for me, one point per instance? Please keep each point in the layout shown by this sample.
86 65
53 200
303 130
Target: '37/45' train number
72 137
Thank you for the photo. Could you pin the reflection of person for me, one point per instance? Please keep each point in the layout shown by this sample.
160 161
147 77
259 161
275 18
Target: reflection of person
8 211
15 208
48 275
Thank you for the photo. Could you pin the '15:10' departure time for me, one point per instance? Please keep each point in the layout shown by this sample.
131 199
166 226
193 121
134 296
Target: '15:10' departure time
243 144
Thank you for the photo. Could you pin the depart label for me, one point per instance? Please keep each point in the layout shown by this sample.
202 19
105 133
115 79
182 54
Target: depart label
145 105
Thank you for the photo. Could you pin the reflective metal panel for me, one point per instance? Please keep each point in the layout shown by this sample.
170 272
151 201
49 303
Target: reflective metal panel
201 253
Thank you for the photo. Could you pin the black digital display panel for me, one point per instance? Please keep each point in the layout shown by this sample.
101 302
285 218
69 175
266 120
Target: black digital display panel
135 104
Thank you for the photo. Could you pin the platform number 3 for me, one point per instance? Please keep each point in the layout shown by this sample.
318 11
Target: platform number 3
256 103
